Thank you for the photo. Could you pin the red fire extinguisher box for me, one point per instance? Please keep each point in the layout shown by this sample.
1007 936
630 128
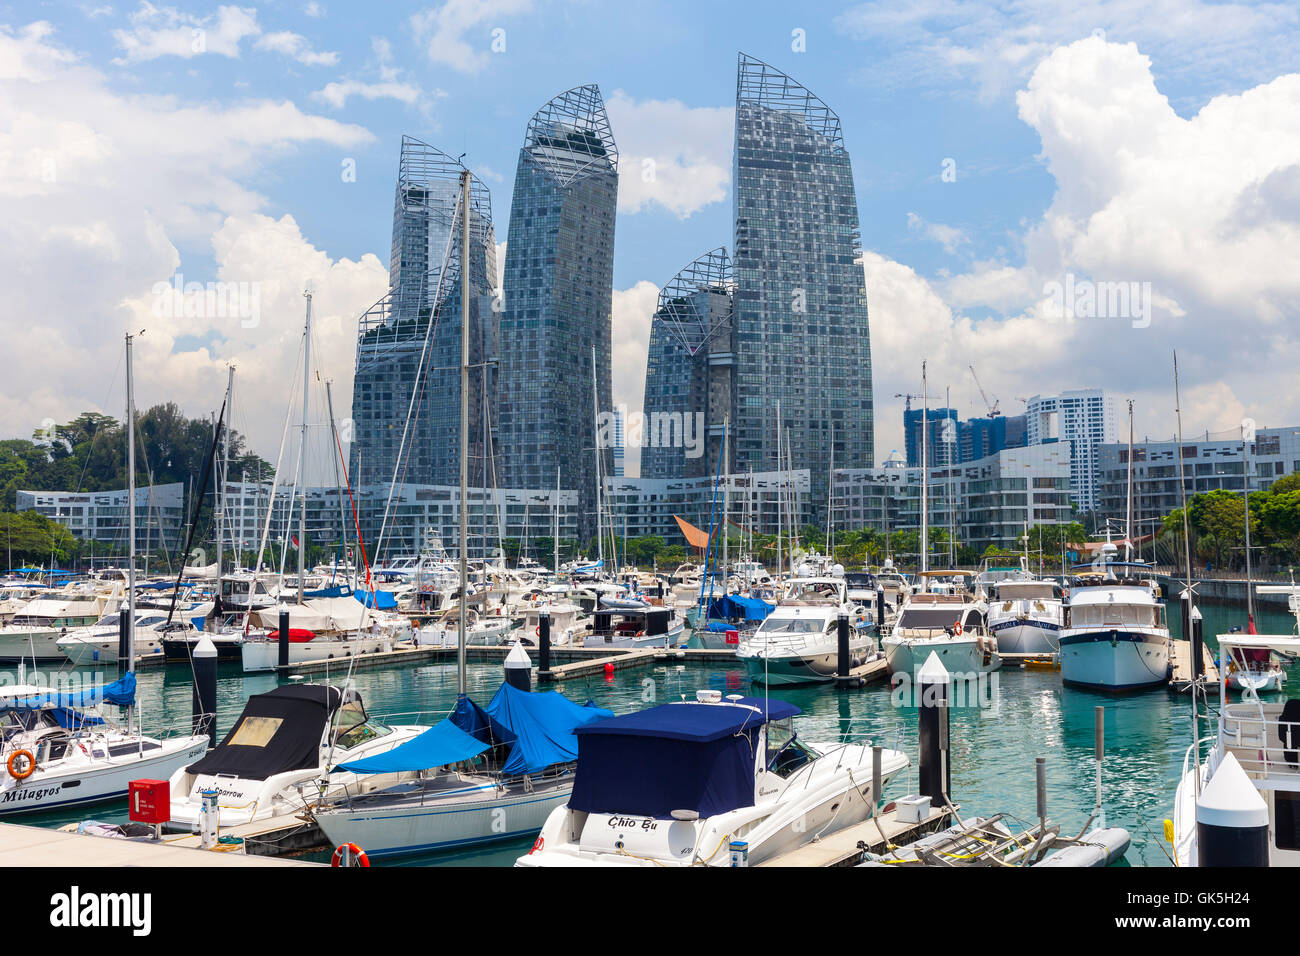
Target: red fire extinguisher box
150 801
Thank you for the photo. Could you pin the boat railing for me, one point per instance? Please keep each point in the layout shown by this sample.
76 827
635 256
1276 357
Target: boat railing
1264 745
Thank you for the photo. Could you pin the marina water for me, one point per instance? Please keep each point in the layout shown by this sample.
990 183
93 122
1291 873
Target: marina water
1023 714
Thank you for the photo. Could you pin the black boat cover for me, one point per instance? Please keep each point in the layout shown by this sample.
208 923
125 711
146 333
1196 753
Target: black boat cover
278 731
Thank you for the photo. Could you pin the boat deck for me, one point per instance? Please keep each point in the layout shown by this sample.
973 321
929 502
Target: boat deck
38 846
849 846
1180 655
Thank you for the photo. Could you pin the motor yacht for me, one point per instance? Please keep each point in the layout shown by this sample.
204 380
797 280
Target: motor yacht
695 783
945 618
798 643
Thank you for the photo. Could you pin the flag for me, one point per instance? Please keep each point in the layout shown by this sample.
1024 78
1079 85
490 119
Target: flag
1250 626
294 539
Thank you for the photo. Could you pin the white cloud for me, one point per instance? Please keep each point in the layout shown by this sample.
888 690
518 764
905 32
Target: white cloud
997 45
670 154
336 94
458 34
313 9
166 31
950 237
297 46
1203 208
101 191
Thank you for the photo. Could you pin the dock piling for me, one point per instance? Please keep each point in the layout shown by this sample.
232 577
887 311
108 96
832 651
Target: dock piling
203 700
934 777
544 645
283 636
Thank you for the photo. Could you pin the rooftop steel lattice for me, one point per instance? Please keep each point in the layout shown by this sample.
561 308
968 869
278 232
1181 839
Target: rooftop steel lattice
571 135
423 177
761 83
685 313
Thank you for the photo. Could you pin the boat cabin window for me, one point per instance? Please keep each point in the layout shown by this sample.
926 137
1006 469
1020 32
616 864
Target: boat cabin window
785 752
860 579
1115 615
932 618
354 727
790 625
1286 819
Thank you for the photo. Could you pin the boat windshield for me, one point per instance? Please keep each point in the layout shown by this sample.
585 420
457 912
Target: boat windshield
1114 614
860 579
929 618
785 752
1028 591
790 625
354 727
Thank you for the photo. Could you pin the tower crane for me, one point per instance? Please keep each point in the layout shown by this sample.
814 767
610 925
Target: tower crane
993 407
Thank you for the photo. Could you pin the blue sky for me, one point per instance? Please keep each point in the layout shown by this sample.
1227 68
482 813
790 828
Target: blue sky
222 160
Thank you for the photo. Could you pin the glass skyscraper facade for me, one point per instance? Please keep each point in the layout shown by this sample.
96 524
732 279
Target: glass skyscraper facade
409 342
559 273
802 336
690 369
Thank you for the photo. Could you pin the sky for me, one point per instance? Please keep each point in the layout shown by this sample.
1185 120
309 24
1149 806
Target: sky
1059 194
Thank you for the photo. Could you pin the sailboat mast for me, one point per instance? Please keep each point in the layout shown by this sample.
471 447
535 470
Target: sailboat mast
338 484
302 452
1245 486
1128 519
464 427
556 540
595 410
130 511
925 473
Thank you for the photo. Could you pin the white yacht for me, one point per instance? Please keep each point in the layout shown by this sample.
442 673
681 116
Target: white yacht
480 629
476 777
696 783
98 643
1114 635
33 634
320 629
569 624
946 618
60 750
282 754
798 643
1025 615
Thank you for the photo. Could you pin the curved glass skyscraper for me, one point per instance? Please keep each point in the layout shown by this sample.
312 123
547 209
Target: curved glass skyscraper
801 305
395 339
690 369
558 285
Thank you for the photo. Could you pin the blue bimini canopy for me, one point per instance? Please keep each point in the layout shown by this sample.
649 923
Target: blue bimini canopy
383 600
121 692
442 744
543 725
687 756
733 607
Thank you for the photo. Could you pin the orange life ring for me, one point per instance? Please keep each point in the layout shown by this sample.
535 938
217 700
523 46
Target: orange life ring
31 764
538 844
956 628
357 853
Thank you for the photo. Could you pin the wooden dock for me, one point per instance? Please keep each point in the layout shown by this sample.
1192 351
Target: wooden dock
1180 656
849 846
39 846
277 836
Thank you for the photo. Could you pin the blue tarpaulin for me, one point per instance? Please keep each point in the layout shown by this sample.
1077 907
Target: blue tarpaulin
442 744
339 590
380 599
121 692
734 607
543 725
476 722
686 756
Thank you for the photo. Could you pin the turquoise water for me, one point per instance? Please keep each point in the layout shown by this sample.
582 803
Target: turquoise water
1024 714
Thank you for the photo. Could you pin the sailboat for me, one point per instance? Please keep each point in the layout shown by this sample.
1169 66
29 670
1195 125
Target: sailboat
476 776
57 746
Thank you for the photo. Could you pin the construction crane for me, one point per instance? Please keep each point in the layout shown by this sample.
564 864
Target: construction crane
993 408
908 404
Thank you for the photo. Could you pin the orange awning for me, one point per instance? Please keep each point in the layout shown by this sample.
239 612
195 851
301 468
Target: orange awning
696 538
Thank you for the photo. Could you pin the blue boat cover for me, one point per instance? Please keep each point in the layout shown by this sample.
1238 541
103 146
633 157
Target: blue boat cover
380 599
442 744
476 722
543 725
339 590
734 606
121 692
673 757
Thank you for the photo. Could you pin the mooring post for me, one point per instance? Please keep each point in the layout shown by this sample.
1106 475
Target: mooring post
124 613
544 645
880 608
934 774
519 668
203 700
844 664
283 635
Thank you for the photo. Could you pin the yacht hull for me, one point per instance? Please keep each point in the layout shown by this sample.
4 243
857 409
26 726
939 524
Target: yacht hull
465 817
265 655
1025 636
30 644
961 656
1114 660
83 784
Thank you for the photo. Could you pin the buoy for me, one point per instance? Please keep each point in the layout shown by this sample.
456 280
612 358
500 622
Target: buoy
609 671
519 668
